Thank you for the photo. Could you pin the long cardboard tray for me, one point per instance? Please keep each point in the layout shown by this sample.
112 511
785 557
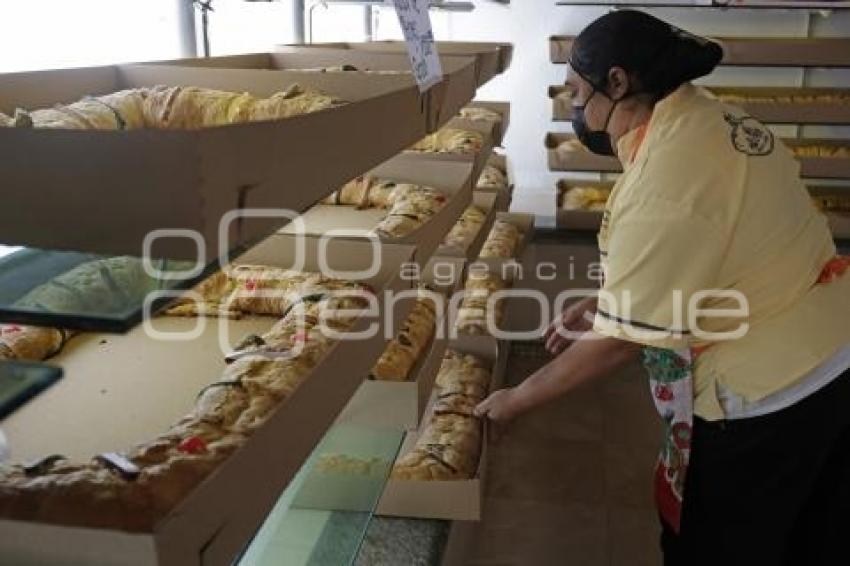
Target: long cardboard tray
121 390
579 160
443 102
502 108
524 223
124 185
491 58
452 178
479 160
458 500
754 51
401 404
822 167
839 223
577 219
504 195
470 248
774 112
582 160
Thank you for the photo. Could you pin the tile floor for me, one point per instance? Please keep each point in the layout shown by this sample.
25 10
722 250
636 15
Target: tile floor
571 483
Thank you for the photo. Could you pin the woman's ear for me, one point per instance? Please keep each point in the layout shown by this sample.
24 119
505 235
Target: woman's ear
618 83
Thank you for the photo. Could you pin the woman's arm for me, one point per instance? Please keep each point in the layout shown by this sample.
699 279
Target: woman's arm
588 359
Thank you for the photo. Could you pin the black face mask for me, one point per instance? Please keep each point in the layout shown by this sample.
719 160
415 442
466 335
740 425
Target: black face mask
597 141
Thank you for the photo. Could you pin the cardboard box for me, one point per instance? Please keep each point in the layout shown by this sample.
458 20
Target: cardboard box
579 160
443 101
500 128
472 246
786 51
754 51
458 500
839 222
452 178
560 47
127 184
95 408
822 167
479 159
788 112
504 196
768 112
401 404
524 223
577 219
561 96
584 160
491 58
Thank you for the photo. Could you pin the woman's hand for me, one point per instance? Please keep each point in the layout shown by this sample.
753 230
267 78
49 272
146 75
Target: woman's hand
572 320
500 406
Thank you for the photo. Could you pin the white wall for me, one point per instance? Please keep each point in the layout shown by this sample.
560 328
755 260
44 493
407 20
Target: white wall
48 34
528 25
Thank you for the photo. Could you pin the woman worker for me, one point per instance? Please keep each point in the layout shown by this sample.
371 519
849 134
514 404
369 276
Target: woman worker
723 277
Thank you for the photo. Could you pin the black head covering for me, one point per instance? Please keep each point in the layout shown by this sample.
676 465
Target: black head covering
658 56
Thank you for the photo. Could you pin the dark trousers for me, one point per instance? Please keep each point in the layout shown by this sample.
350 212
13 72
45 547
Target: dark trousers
771 490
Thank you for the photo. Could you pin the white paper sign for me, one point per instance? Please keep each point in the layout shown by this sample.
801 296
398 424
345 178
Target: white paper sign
416 25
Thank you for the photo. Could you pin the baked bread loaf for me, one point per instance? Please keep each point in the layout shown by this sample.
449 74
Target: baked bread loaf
473 312
502 241
409 206
133 490
795 98
404 350
31 343
465 229
172 108
817 150
492 178
832 203
570 147
450 140
585 198
480 114
449 445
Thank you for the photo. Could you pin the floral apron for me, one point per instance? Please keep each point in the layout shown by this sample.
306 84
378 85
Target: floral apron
671 381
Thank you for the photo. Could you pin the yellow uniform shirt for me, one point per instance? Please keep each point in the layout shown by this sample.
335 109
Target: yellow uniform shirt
713 201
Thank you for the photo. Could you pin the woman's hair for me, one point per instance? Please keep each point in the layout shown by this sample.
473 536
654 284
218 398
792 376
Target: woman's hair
657 56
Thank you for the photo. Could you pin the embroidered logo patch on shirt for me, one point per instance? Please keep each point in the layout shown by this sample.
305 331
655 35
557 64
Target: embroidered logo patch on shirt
750 136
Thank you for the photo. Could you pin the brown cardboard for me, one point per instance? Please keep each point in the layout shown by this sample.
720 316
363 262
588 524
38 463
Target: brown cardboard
577 219
788 112
453 178
755 51
443 100
562 109
500 128
822 167
839 222
504 196
472 246
126 184
580 160
458 500
491 58
583 160
560 47
400 405
478 159
524 223
769 112
95 408
786 51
